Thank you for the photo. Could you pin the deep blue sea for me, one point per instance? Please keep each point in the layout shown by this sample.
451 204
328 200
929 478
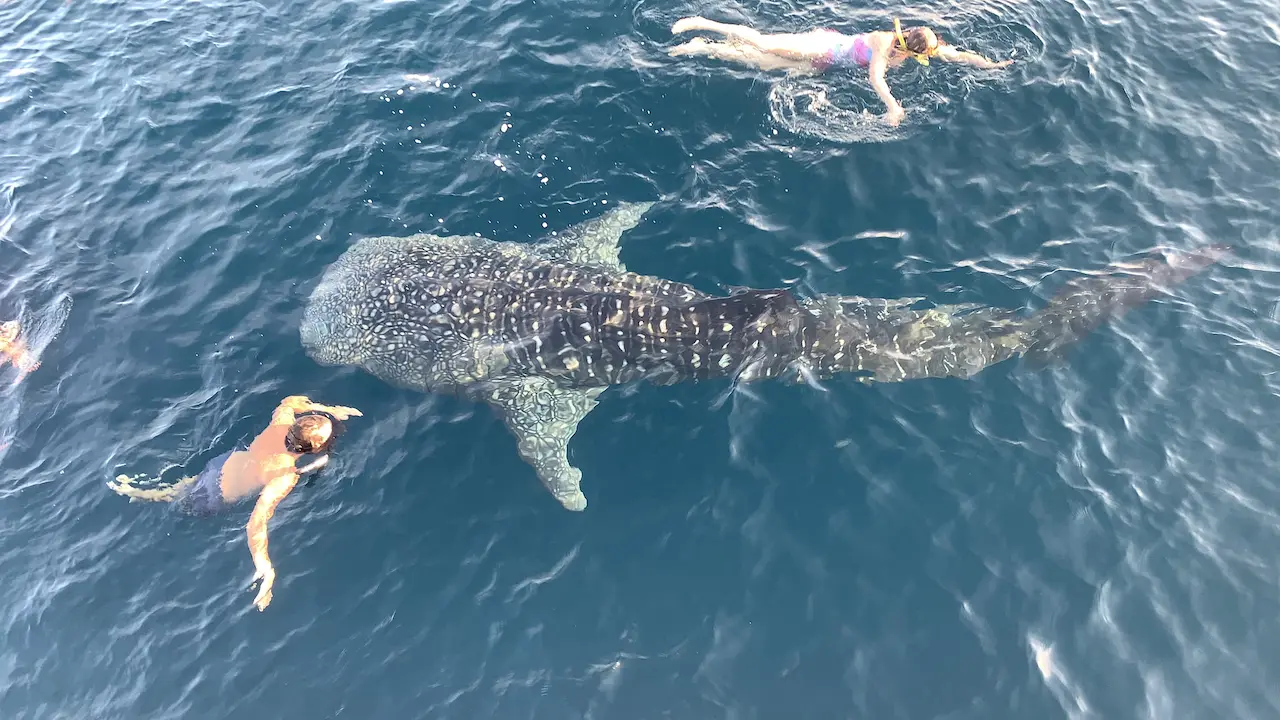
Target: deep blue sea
1097 539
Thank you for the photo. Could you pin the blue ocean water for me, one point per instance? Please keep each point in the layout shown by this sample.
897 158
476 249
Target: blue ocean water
1095 540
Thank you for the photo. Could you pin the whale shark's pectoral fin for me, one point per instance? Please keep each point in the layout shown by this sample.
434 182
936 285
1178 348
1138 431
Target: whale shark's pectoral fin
596 241
543 417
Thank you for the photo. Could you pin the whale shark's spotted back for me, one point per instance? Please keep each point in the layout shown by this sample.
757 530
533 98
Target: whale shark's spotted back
449 313
538 331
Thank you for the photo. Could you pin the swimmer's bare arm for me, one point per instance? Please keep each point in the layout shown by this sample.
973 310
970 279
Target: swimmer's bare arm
285 413
879 63
272 494
951 54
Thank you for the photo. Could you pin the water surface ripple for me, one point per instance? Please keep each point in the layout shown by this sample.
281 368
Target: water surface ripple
1095 540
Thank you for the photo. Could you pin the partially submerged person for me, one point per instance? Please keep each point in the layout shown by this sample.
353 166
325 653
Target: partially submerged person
268 469
14 349
817 51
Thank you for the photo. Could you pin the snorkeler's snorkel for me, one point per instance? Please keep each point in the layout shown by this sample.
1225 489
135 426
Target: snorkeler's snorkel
922 58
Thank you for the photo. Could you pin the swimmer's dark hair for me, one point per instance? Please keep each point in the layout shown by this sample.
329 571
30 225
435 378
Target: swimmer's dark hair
313 433
918 39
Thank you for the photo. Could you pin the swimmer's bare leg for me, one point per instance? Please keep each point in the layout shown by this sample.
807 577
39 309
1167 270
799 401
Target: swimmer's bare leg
741 54
794 46
127 486
697 22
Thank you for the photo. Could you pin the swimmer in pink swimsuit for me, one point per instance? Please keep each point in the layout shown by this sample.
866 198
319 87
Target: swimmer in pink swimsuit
817 51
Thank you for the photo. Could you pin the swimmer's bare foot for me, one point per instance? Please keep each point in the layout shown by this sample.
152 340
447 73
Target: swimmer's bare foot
696 46
689 24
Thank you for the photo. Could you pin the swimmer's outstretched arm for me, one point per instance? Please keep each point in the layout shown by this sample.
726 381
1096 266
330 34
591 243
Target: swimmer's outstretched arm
285 412
952 54
272 494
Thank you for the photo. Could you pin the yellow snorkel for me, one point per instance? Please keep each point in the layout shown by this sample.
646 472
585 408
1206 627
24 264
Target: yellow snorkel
922 58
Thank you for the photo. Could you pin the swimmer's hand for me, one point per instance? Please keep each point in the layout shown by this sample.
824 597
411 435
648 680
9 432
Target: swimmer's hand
894 116
1000 64
268 577
296 403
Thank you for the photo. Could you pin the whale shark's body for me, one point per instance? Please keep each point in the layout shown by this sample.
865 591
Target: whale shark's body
539 331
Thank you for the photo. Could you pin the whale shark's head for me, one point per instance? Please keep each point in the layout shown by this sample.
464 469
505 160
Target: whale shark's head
330 336
343 315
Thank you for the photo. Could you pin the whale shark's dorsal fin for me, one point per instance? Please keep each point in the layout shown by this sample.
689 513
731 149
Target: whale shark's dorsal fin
596 241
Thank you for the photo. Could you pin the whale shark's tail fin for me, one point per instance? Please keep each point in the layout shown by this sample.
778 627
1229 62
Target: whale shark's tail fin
1086 303
891 341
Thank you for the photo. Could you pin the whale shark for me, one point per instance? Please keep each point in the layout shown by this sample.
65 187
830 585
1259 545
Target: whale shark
539 330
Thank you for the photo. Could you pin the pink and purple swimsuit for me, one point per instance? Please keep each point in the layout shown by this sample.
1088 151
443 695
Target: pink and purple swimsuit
845 51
